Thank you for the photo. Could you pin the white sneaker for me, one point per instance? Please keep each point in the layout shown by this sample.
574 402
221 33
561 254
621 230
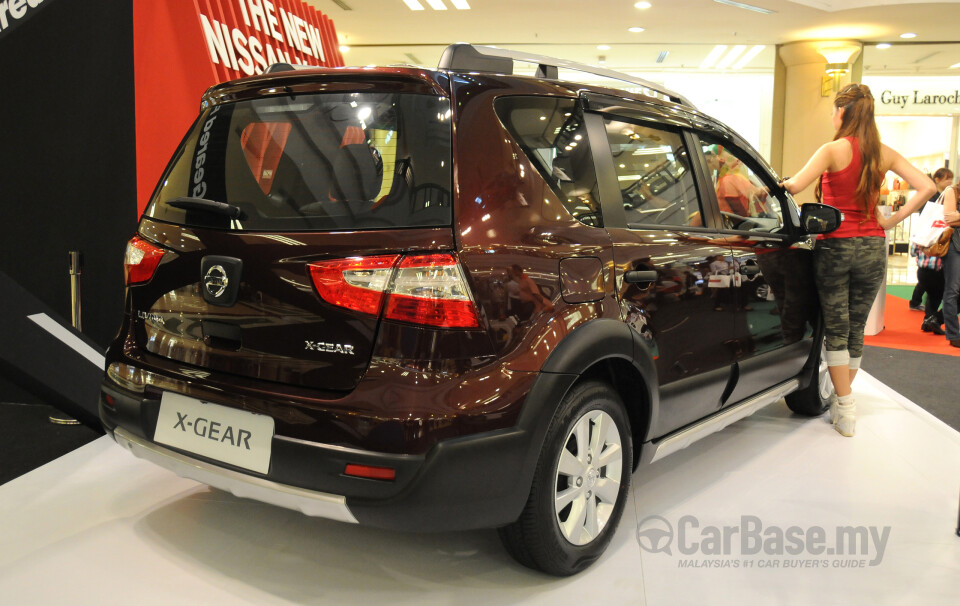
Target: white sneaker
846 422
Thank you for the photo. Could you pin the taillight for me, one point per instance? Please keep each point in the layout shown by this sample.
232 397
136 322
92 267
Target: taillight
430 289
422 289
357 283
140 261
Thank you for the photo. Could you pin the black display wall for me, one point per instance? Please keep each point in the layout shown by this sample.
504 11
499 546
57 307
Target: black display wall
67 155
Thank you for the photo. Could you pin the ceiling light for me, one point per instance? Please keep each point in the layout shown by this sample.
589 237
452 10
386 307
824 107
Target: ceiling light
413 5
635 30
954 66
460 5
603 47
883 45
713 56
753 52
908 35
749 7
437 5
735 52
344 48
839 53
642 5
662 56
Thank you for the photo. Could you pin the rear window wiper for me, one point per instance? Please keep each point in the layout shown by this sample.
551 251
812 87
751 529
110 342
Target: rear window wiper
220 208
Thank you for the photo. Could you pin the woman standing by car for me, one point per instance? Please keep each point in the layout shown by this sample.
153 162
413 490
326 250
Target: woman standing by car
850 263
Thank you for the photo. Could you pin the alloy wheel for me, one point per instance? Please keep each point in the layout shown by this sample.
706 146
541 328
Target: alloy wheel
588 476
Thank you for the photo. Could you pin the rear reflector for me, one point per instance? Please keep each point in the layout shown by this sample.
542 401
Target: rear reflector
140 261
421 289
369 471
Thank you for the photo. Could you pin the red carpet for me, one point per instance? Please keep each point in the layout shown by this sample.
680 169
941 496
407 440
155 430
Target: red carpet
902 331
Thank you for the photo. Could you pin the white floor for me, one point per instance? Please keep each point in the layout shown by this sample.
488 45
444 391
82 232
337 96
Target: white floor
100 527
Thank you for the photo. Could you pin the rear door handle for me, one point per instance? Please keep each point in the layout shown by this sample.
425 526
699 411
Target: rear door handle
639 276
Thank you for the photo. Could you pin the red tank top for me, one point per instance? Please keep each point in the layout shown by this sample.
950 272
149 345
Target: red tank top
840 191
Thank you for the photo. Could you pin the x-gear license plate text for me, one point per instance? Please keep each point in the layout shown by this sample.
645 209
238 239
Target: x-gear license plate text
225 434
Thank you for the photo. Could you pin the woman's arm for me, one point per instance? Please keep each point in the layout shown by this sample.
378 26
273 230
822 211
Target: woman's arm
818 164
950 214
921 183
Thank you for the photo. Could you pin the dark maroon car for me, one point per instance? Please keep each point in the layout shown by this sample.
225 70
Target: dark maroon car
452 299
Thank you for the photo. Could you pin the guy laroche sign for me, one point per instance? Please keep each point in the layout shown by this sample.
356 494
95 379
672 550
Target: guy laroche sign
913 96
243 37
917 97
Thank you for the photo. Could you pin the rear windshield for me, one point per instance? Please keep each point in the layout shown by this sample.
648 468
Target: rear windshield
314 162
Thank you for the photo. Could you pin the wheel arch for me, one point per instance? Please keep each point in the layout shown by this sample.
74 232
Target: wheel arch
611 351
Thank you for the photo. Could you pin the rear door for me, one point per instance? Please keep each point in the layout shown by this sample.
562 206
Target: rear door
263 189
673 276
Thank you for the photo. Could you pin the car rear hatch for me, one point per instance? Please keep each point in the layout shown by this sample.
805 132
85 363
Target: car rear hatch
269 246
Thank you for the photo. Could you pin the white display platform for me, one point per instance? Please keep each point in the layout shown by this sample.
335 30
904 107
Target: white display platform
101 527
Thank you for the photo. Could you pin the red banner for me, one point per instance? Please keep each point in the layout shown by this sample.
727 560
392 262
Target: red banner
182 47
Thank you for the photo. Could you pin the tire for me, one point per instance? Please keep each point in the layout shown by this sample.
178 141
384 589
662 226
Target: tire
591 479
814 400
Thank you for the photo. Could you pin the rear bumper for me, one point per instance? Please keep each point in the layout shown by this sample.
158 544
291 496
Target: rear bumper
476 481
309 502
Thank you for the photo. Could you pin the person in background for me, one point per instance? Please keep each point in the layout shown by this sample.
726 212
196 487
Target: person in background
531 299
951 266
850 263
930 274
930 280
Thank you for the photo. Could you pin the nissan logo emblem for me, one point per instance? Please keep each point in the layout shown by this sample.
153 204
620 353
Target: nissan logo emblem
215 281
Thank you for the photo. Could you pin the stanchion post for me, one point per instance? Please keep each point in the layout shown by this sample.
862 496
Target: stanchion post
76 269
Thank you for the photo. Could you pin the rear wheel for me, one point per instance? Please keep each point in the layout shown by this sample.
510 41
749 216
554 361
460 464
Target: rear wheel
580 486
814 400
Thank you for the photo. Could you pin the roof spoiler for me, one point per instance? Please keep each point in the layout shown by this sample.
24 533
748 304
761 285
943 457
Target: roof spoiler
285 67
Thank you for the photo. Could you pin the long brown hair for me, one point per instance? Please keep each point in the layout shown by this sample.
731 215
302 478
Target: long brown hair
857 104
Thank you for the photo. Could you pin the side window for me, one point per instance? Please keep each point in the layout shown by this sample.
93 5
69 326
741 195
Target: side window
551 132
742 196
653 170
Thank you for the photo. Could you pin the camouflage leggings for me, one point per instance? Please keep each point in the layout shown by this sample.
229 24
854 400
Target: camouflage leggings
849 272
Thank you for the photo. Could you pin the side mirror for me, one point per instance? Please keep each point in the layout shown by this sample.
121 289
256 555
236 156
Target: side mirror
819 218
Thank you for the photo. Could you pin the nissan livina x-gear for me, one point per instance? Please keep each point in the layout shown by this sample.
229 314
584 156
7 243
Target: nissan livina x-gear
458 298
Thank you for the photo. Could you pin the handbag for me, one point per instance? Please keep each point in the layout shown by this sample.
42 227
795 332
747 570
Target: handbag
718 281
941 246
930 225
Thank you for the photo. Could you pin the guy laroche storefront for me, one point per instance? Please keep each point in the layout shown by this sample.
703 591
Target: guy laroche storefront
919 116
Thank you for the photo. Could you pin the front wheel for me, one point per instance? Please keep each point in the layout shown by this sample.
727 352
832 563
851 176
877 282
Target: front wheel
580 485
814 400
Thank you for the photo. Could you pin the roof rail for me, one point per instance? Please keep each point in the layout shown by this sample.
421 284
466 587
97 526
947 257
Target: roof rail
475 58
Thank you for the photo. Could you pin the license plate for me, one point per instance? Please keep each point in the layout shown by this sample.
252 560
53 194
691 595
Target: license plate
225 434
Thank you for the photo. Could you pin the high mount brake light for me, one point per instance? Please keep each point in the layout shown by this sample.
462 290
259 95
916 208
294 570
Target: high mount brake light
422 289
140 261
